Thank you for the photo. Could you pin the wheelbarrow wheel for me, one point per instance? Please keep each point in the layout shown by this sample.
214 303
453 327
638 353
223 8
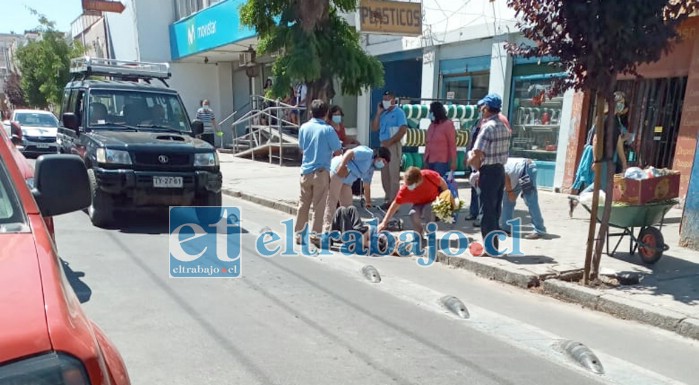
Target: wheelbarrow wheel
650 245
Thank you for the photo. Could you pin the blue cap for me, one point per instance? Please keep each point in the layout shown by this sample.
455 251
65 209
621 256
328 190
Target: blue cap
492 101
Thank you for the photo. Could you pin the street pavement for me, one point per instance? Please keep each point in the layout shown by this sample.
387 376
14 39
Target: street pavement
667 295
317 320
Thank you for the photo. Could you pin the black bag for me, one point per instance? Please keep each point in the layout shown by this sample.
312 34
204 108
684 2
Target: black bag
357 187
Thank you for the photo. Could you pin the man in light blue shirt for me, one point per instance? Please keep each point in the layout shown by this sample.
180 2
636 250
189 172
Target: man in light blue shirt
318 142
392 124
357 163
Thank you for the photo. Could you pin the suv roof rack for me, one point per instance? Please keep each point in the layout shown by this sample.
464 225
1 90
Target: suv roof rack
119 69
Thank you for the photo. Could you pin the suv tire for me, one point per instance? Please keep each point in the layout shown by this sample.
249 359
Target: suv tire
101 210
210 199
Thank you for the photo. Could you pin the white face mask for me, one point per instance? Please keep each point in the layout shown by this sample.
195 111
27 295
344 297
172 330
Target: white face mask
412 186
386 104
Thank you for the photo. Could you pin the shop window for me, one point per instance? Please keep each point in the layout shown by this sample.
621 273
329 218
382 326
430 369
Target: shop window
465 88
535 118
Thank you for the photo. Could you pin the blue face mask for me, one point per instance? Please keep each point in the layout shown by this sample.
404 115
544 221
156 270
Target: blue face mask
379 164
430 116
337 119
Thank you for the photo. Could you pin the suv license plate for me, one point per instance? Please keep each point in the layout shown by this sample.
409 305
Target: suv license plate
167 181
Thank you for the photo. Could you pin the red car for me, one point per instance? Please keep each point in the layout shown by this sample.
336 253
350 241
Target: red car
24 165
45 337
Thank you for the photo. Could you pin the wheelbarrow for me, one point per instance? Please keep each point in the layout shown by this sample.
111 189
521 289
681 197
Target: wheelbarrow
649 242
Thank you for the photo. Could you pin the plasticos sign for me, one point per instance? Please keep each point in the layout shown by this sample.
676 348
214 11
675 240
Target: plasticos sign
390 17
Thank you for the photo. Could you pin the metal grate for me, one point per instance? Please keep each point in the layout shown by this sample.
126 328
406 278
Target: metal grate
654 116
156 159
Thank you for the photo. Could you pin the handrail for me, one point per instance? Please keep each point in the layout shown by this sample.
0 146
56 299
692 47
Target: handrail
228 117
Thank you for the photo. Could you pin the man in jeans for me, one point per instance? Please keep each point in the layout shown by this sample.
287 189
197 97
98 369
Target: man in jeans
392 124
318 142
516 168
474 209
489 156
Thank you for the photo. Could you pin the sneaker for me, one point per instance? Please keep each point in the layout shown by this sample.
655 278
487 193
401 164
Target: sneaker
476 223
533 236
385 206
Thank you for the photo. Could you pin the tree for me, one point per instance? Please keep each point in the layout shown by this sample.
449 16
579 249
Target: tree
13 90
315 46
45 64
595 41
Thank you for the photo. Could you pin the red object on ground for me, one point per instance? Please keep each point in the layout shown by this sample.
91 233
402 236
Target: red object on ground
476 249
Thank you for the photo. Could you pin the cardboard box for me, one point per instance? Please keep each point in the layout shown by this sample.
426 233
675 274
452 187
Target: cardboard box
644 191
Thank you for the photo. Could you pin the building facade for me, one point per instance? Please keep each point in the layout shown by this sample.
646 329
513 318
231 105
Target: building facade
458 59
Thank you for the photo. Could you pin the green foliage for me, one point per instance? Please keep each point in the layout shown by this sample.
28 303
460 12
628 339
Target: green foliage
328 50
44 65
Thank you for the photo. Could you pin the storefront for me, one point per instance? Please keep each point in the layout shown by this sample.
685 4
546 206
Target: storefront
464 81
535 117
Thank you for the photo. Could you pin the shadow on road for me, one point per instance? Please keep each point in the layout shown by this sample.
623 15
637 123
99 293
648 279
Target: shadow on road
81 289
670 276
154 221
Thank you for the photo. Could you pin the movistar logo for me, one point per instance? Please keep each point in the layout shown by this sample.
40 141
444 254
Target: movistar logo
191 36
197 32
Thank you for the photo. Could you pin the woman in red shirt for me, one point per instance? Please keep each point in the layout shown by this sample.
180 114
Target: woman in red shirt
440 148
420 188
335 120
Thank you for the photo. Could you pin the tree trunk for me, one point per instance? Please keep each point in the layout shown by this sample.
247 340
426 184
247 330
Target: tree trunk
311 13
608 188
322 89
598 156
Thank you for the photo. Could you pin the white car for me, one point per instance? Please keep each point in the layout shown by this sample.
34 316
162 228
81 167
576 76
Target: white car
39 130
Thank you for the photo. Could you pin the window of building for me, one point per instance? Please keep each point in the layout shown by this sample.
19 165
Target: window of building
184 8
535 117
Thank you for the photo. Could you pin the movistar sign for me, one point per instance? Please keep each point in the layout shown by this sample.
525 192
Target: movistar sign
212 27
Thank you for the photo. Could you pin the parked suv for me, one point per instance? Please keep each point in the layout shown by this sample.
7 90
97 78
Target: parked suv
136 139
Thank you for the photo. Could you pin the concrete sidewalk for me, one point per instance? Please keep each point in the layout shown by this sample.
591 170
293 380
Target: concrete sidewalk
667 295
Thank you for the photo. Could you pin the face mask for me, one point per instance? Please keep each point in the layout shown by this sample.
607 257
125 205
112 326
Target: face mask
378 164
386 104
337 118
620 107
412 187
430 116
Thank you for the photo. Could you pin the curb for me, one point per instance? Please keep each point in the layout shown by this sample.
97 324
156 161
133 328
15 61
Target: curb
513 276
623 308
276 205
588 298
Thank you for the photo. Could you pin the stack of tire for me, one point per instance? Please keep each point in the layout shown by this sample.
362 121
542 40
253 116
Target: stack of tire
416 137
416 159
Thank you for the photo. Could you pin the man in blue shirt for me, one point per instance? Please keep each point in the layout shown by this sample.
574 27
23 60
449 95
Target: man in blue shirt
392 125
318 143
357 163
